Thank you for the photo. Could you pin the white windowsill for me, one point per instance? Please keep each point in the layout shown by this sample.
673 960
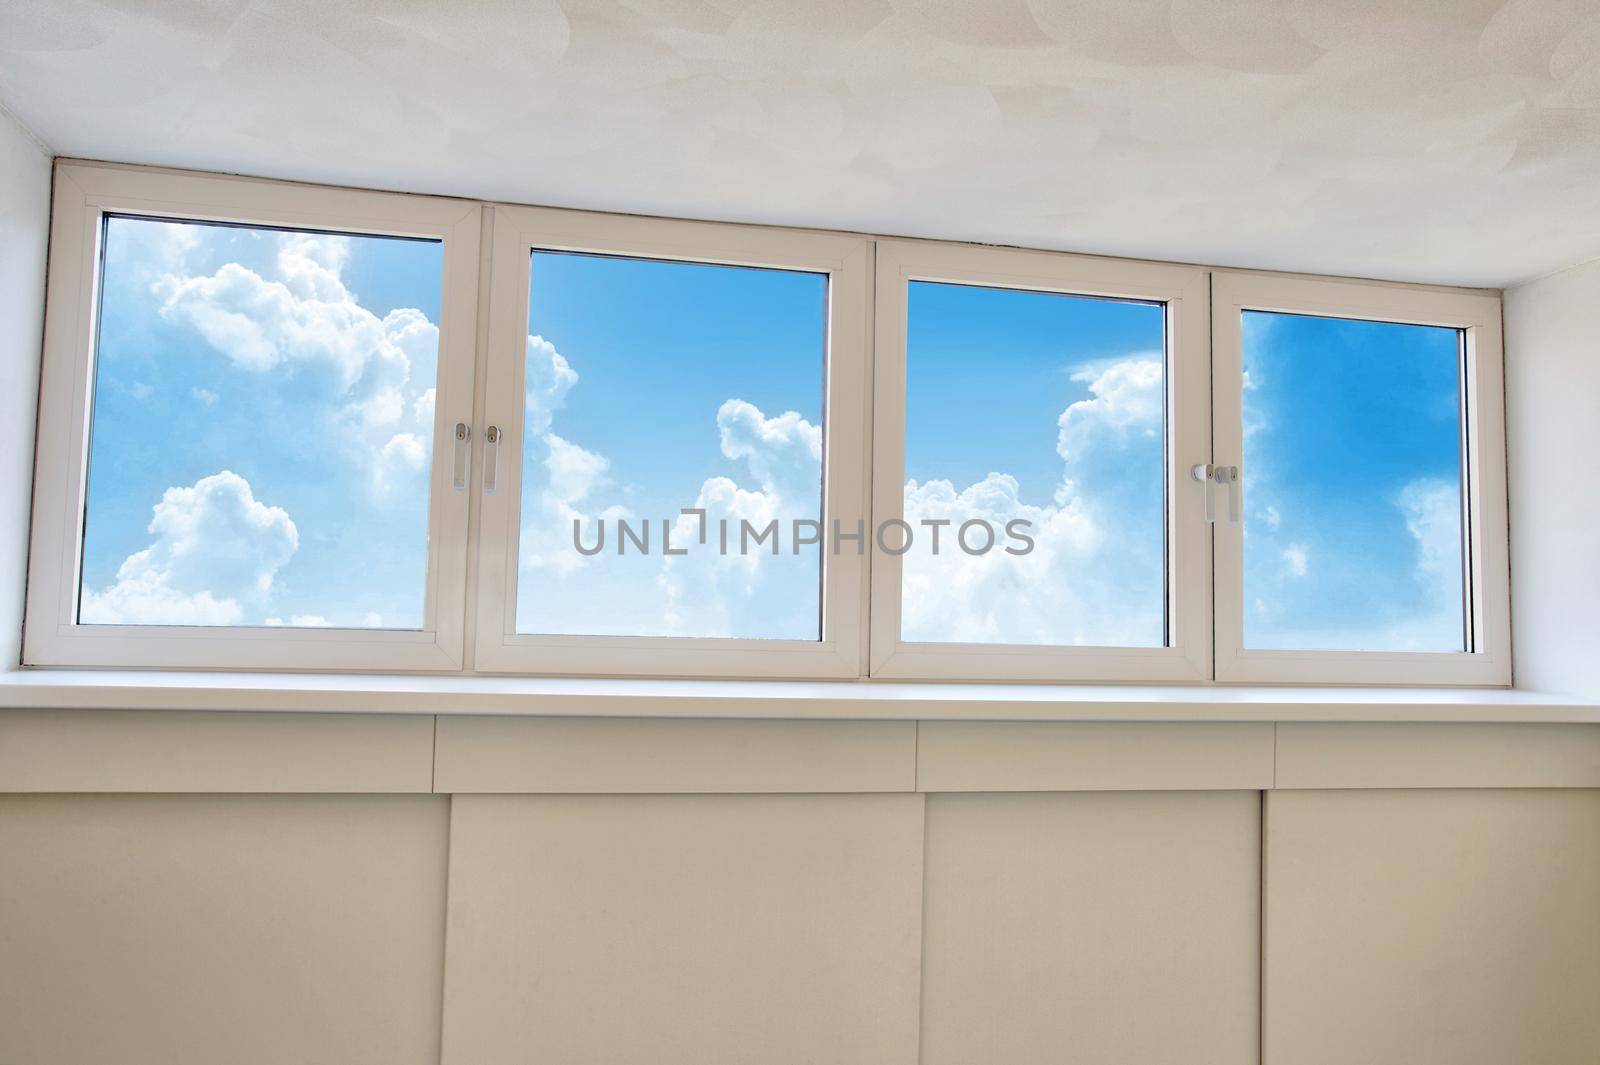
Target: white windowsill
344 693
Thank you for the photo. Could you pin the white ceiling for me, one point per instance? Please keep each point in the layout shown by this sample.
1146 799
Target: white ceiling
1440 140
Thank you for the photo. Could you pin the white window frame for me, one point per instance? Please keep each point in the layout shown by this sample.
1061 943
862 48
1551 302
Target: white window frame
1183 290
471 592
518 231
1478 313
84 193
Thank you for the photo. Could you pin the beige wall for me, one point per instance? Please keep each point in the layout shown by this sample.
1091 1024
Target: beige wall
398 889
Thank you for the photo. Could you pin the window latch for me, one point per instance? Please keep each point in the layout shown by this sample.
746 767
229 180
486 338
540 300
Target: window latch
1214 477
463 436
491 456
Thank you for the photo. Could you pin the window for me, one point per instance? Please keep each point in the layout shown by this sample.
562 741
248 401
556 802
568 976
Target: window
1362 554
653 387
1366 424
1031 414
680 422
262 414
1035 442
251 379
270 438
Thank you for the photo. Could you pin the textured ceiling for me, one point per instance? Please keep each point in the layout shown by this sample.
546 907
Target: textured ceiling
1441 140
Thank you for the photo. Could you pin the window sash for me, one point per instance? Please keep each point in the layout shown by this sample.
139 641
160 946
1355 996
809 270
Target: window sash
518 231
83 195
1182 290
1488 591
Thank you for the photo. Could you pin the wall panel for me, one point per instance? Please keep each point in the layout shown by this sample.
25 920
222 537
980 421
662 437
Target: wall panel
684 930
644 755
1438 756
1433 927
1081 929
1093 756
192 930
221 752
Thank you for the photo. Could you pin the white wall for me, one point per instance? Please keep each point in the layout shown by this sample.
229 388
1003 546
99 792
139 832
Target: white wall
24 227
1553 430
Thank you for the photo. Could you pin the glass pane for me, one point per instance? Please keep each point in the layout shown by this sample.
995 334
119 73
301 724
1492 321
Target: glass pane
1352 485
1046 411
262 427
654 387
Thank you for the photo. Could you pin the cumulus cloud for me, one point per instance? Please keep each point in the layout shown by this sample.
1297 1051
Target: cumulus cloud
704 594
1123 409
306 321
405 454
1294 559
716 594
783 453
548 380
215 553
571 477
261 325
559 486
1095 574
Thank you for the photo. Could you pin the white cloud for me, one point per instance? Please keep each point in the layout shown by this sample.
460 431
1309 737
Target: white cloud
1124 406
261 325
141 391
204 396
1095 573
422 408
1294 559
783 453
713 594
571 472
704 594
548 380
306 321
403 455
215 553
571 475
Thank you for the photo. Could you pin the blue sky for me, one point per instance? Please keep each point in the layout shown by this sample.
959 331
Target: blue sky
263 431
1352 478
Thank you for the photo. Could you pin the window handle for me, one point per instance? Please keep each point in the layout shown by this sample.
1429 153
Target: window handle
463 454
1213 477
491 456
